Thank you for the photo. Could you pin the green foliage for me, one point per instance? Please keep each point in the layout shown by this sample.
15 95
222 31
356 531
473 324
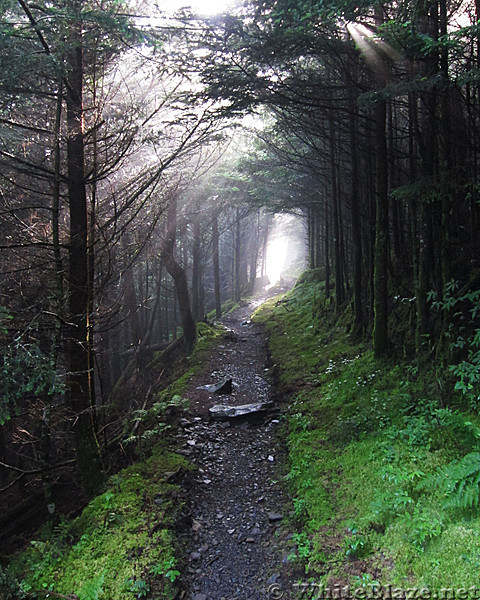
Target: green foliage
373 444
303 547
356 545
93 588
152 425
117 546
138 587
9 587
166 569
458 481
25 371
462 335
421 526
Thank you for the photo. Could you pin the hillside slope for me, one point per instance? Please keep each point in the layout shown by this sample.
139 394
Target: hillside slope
384 462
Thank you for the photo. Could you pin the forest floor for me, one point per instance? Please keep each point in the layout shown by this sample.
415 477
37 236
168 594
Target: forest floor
238 544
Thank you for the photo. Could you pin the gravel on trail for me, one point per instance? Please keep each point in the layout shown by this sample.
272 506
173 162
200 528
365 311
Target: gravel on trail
237 545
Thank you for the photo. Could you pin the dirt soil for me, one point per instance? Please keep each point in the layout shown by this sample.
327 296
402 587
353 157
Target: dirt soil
238 544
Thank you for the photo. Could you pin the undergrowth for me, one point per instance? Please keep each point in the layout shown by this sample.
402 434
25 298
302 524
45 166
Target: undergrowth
120 548
384 473
123 545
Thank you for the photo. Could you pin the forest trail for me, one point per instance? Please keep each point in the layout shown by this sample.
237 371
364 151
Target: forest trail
237 547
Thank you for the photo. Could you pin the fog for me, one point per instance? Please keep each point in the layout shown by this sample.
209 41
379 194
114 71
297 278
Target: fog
286 249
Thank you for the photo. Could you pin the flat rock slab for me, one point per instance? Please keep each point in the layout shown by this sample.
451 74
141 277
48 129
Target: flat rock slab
223 387
232 412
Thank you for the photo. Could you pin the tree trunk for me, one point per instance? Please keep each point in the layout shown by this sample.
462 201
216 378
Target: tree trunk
177 272
428 152
78 343
216 268
327 251
380 273
196 273
339 291
237 292
355 222
380 324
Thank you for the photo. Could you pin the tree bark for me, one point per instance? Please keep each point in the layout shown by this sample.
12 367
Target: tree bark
339 290
356 233
380 324
197 309
380 274
216 268
177 272
428 152
327 251
237 292
78 343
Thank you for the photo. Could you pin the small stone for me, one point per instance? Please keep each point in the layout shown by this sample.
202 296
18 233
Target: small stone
250 540
191 442
200 597
221 388
273 516
270 458
195 556
260 498
207 481
196 526
230 531
255 531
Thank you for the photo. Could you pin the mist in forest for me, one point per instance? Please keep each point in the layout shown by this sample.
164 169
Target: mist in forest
286 249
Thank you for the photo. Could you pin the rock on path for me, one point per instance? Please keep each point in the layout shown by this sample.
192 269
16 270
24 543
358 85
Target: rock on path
237 546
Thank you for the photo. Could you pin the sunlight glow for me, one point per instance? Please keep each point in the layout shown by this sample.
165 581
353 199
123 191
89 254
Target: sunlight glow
371 47
276 258
205 8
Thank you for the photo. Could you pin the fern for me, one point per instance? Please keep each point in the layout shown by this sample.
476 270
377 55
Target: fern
93 588
459 481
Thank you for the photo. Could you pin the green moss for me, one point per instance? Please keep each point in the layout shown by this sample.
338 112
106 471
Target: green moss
365 438
122 546
122 542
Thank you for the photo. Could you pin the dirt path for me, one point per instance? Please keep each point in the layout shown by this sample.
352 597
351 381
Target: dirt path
238 546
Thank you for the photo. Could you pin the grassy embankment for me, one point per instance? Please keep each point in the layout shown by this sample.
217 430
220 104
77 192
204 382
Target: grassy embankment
123 546
384 475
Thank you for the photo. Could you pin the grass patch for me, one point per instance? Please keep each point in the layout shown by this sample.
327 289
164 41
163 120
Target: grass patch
384 475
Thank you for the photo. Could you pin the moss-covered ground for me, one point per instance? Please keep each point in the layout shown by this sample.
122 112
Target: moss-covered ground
124 544
383 472
121 547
